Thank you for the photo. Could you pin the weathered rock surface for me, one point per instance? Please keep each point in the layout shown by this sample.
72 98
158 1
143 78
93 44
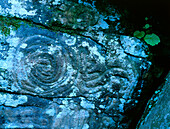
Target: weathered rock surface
53 78
157 113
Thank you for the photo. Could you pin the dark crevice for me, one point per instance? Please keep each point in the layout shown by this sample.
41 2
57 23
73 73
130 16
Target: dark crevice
121 76
129 53
43 97
16 93
150 85
134 55
62 28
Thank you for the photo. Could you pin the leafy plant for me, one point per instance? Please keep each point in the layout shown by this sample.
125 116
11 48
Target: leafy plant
139 34
147 35
152 39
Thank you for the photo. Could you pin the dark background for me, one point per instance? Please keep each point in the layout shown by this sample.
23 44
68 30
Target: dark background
159 10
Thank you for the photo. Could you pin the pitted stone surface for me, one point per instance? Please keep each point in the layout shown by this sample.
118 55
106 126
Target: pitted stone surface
54 64
69 80
65 65
87 19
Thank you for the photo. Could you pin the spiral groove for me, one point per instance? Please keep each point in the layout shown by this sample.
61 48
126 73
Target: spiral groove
44 67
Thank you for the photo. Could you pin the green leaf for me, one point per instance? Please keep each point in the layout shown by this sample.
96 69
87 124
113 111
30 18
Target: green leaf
152 39
146 18
139 34
146 26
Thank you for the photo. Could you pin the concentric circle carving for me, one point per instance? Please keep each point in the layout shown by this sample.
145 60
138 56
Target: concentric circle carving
43 66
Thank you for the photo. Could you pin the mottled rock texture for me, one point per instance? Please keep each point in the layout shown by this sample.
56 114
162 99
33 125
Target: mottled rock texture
60 69
157 113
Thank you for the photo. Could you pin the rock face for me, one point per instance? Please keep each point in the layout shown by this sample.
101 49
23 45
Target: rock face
157 114
59 69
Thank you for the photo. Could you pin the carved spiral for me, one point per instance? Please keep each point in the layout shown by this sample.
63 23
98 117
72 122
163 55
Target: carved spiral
43 66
